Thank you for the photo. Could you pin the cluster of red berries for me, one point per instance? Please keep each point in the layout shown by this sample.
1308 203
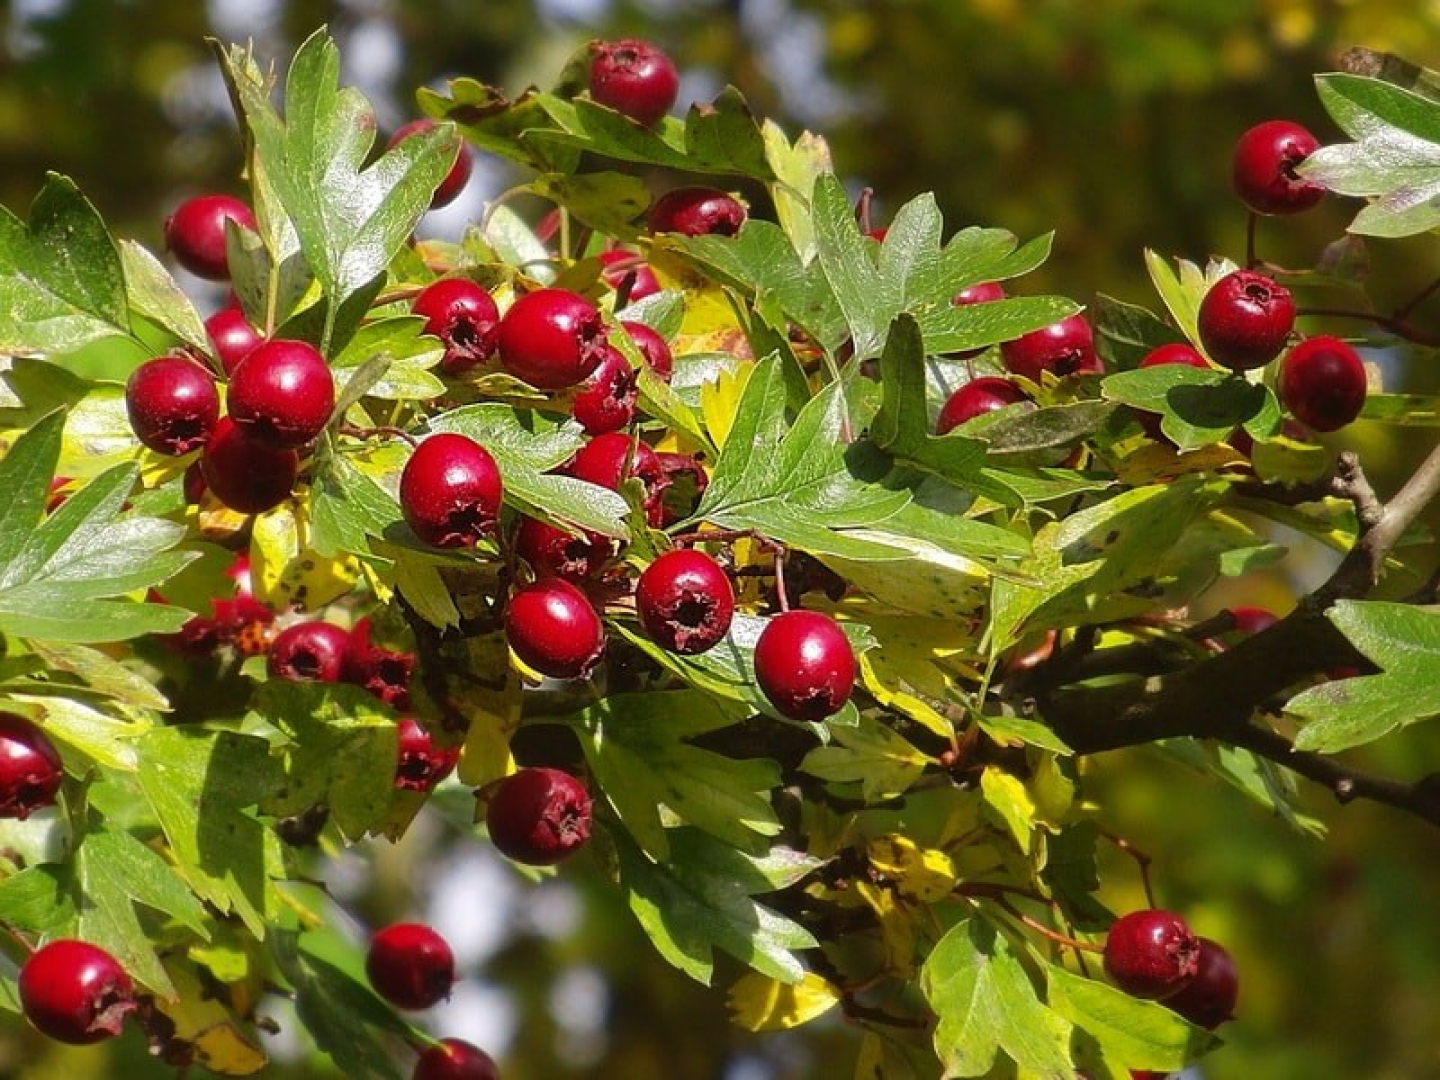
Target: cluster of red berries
1153 954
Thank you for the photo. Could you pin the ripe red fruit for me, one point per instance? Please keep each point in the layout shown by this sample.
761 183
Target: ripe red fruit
605 401
1322 381
982 395
450 491
410 965
75 992
634 78
553 552
805 665
697 211
609 459
685 484
1209 998
983 292
654 348
459 174
1151 953
538 816
172 403
309 652
454 1059
420 763
685 601
232 336
245 474
553 629
282 393
463 316
1263 169
384 672
1065 348
1244 320
1175 352
30 767
1251 620
617 265
195 233
551 338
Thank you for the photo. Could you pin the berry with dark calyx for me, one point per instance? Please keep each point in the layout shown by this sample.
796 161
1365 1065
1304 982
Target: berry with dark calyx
232 337
463 315
30 767
1066 347
309 652
1151 953
455 1059
1175 352
1322 382
75 992
551 338
805 665
1244 320
685 601
410 965
173 404
384 672
617 266
450 491
605 401
1209 998
608 460
685 484
985 394
1263 168
654 348
245 474
195 233
983 292
635 78
421 764
552 552
282 393
538 816
459 174
554 630
697 211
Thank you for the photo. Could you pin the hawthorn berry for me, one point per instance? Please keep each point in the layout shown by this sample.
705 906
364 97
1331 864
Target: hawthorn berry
1066 347
1322 382
309 652
30 767
654 348
384 672
635 78
1251 620
420 763
410 965
173 404
616 267
610 459
551 338
552 552
606 400
982 292
1244 320
554 629
685 484
464 317
450 491
455 1059
282 393
1174 352
981 395
805 665
1263 168
697 211
247 475
1151 953
75 992
1209 998
538 816
195 233
455 180
232 336
685 601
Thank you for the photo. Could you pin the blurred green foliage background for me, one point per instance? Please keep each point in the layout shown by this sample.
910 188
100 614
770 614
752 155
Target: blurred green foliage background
1109 121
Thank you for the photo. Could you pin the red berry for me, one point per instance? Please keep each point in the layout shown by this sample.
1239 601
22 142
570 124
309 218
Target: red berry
652 346
459 174
1252 620
554 629
75 992
1263 169
634 78
232 336
551 338
172 403
685 601
410 965
1063 347
982 395
983 292
384 672
616 266
195 233
609 459
538 816
1322 381
463 316
1176 352
606 400
1244 320
697 211
282 393
450 491
553 552
685 484
30 767
805 665
245 474
421 764
1151 953
309 652
454 1059
1209 998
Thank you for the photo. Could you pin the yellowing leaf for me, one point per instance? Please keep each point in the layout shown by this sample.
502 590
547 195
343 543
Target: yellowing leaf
897 927
1007 796
763 1004
493 713
217 1041
904 673
286 571
924 874
1052 790
719 401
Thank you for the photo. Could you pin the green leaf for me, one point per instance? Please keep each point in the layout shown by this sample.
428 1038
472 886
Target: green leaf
870 294
154 294
1197 407
1126 333
410 355
100 736
1183 287
1129 1032
987 1006
347 507
25 474
40 899
871 754
61 282
700 899
607 202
